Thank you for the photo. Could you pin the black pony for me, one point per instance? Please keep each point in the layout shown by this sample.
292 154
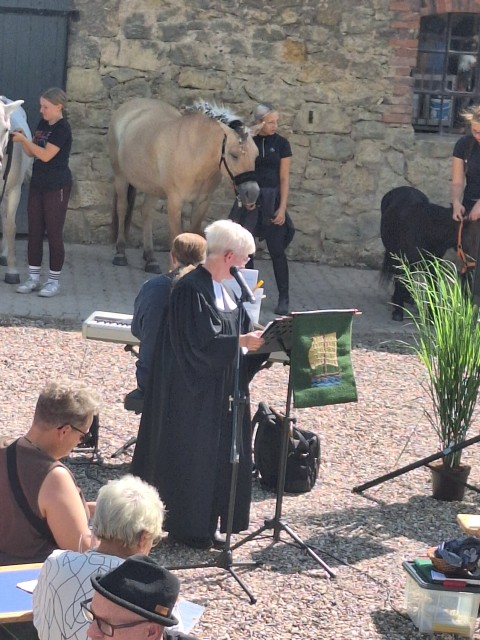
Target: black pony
412 227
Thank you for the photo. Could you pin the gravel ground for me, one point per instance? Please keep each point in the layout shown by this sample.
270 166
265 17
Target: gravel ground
363 538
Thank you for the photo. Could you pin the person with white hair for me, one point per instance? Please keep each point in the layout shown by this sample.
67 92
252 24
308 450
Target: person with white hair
185 434
128 520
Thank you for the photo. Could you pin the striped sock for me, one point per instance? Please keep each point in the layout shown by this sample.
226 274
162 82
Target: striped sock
34 272
54 276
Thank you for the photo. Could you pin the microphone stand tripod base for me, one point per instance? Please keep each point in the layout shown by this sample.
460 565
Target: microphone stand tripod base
276 523
224 560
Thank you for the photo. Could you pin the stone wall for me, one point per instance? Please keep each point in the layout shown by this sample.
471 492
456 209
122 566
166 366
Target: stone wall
326 64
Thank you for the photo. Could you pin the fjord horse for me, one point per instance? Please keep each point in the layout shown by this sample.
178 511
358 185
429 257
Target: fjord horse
14 165
412 227
180 157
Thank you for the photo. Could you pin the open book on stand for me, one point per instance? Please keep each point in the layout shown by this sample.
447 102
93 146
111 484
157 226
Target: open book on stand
277 335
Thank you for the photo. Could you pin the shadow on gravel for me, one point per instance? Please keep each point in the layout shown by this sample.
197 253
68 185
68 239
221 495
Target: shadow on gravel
385 342
366 531
393 624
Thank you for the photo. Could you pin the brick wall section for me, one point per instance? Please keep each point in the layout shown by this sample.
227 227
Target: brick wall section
404 27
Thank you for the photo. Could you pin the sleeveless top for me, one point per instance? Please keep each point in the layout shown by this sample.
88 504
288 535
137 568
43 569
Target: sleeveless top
20 542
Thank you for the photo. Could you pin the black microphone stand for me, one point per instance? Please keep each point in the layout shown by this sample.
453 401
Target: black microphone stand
224 559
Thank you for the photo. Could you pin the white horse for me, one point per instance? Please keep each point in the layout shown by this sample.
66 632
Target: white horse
14 165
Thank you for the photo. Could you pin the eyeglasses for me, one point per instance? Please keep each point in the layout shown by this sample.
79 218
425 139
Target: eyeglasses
105 627
84 435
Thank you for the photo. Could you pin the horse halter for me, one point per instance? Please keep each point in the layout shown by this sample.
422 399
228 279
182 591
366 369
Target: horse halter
246 176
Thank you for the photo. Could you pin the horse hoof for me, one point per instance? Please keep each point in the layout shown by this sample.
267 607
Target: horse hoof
152 267
12 278
3 261
397 315
120 261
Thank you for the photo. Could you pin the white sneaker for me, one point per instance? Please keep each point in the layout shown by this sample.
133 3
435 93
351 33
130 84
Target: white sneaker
49 289
28 286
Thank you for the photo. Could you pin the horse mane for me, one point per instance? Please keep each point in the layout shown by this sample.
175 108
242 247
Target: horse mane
221 114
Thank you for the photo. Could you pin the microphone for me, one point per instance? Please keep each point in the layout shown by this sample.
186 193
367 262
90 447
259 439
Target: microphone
247 294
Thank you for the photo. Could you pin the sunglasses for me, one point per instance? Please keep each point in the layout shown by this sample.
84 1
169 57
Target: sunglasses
105 627
85 435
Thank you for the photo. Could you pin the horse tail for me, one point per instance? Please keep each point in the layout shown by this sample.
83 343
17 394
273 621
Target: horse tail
386 272
131 194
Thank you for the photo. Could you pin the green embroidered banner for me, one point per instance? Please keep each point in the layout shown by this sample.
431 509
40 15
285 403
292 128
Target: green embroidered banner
321 367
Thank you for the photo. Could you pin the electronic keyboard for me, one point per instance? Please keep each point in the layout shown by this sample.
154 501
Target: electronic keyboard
109 327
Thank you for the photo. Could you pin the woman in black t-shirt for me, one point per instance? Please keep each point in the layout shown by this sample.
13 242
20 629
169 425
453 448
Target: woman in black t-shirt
269 218
465 185
49 191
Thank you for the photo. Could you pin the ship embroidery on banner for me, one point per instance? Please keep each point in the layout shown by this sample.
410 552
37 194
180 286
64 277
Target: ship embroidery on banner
322 357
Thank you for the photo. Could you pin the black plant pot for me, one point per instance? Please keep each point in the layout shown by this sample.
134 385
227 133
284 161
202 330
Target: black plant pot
449 484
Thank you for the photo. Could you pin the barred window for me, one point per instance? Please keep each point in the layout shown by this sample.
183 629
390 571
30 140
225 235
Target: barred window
446 78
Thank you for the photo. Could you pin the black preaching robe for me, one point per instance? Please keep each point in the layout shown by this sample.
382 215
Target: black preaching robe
185 434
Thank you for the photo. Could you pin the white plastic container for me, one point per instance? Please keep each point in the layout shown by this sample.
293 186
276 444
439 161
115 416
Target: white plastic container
435 609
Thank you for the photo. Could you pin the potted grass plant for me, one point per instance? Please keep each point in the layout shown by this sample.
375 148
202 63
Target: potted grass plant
447 342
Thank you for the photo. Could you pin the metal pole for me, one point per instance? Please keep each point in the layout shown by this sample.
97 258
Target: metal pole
415 465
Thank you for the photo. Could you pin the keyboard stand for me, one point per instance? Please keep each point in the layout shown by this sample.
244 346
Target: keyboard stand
129 443
130 403
88 451
116 328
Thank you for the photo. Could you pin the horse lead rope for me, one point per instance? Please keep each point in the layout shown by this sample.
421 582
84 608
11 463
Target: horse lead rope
466 262
9 154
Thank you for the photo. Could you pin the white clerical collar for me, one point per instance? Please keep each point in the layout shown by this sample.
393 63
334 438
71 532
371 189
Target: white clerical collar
223 300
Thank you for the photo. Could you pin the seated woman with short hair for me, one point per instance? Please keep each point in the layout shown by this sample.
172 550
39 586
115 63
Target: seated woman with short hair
128 520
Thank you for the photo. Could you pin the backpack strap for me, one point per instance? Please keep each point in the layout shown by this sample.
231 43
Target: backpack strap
36 522
261 413
300 443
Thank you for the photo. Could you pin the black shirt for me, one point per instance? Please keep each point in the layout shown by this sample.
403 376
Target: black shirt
468 149
271 149
54 174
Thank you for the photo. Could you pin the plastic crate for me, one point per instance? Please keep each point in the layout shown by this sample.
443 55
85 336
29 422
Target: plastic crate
435 609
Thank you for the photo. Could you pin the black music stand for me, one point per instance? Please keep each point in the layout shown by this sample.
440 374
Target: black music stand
278 337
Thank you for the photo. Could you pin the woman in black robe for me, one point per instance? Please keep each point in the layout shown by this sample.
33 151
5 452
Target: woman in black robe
185 434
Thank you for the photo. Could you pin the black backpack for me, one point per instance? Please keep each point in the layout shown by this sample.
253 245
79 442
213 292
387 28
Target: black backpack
303 461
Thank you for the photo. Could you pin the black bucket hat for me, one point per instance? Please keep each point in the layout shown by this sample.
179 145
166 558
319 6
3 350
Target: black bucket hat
141 585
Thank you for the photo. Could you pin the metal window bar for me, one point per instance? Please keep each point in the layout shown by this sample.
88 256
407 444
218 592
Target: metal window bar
439 98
